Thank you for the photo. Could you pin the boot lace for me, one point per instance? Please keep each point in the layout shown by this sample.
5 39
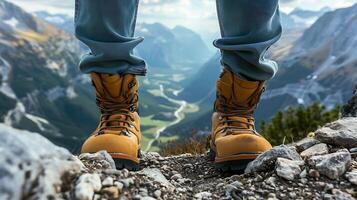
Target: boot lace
229 119
109 107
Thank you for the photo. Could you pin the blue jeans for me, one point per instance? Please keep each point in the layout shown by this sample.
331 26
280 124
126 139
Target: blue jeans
248 29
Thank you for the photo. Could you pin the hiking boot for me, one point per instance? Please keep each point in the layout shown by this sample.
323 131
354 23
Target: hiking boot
118 131
234 140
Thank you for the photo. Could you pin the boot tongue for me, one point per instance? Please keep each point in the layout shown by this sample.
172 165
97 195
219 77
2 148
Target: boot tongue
235 90
120 87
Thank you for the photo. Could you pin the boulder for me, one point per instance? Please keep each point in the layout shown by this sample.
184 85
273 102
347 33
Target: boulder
33 167
266 160
331 165
342 132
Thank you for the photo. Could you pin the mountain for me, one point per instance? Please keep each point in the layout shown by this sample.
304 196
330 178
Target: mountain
62 21
317 65
322 65
162 48
307 16
40 87
185 38
175 48
309 13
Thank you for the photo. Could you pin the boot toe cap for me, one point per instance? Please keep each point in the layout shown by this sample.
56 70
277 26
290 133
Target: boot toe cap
118 146
231 145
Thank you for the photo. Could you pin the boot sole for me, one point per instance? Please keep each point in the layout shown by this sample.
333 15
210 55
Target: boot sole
236 162
125 161
130 165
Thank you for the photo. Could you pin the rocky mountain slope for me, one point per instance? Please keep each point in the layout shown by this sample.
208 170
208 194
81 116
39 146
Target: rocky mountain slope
322 166
39 87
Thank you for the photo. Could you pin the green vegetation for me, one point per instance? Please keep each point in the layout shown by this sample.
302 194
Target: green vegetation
295 123
285 127
194 145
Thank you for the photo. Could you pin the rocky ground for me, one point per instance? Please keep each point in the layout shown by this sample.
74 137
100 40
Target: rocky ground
322 166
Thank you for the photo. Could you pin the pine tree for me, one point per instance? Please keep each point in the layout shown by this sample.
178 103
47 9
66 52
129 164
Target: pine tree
295 123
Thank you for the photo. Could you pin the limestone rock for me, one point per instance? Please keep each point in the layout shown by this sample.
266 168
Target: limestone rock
305 143
318 149
342 132
331 165
101 159
288 169
31 166
267 159
202 195
156 175
352 176
86 185
339 195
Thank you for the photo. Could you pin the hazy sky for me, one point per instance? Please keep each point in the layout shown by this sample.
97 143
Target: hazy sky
198 15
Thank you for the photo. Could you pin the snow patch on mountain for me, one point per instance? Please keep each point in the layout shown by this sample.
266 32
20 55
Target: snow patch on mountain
13 22
305 92
5 70
58 92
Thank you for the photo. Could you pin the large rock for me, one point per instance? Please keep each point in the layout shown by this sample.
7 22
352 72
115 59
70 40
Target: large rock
332 165
267 160
33 167
342 132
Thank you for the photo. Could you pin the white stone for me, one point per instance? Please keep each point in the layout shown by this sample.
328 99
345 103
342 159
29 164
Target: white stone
267 159
318 149
109 181
352 176
156 174
31 164
288 169
331 165
202 195
86 185
342 132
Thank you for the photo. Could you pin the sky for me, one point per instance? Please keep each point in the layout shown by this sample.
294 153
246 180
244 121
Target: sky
199 15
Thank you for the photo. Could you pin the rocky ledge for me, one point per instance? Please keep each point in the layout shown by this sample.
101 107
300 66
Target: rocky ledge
322 166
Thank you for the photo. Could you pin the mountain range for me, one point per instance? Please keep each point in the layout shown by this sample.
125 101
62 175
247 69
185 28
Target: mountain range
42 90
316 65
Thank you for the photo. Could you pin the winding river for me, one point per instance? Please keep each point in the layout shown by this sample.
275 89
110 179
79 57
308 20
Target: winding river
178 114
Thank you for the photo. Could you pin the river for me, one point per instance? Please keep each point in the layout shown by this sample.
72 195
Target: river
178 114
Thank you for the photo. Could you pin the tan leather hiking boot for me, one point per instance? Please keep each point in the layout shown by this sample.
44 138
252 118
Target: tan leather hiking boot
119 129
234 140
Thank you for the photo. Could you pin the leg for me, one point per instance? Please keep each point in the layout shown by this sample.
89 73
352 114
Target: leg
248 29
107 28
